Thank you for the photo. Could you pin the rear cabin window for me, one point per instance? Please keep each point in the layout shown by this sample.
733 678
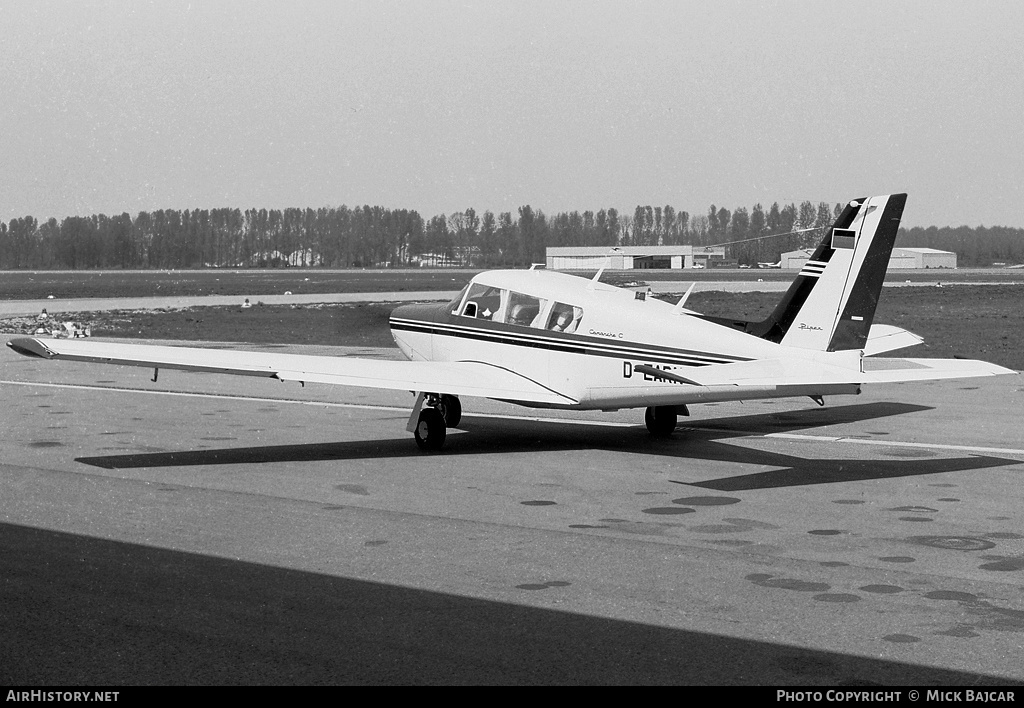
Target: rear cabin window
564 318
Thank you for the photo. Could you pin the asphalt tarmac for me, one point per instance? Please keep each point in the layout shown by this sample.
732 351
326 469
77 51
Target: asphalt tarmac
207 529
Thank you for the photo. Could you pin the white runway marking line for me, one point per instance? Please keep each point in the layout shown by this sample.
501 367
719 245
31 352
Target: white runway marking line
566 421
893 443
863 441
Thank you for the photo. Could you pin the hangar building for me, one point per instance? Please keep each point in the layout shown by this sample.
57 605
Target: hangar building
796 259
922 258
633 257
900 258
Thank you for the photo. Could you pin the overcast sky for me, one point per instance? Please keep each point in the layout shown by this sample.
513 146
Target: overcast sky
440 105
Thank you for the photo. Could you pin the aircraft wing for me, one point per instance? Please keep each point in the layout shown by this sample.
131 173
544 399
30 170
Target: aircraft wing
468 378
795 372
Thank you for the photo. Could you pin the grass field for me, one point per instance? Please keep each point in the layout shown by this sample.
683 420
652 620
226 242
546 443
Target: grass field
973 321
64 285
978 322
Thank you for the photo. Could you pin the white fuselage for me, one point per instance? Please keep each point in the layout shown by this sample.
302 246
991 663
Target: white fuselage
605 333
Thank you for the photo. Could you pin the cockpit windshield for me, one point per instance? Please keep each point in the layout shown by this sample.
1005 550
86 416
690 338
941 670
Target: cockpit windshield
453 306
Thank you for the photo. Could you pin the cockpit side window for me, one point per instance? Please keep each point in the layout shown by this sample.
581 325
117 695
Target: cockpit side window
564 318
484 301
524 310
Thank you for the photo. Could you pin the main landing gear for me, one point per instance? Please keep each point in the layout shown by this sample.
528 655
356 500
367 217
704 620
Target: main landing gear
429 423
451 409
661 420
434 413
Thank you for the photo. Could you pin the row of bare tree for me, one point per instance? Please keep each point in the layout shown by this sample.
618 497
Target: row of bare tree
376 236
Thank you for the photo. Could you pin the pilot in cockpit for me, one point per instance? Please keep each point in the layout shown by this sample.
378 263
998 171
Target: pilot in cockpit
519 315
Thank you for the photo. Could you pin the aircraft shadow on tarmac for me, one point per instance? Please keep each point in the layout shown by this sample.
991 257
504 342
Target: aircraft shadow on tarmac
92 611
706 441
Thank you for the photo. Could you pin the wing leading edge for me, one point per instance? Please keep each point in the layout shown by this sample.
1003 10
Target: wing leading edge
467 378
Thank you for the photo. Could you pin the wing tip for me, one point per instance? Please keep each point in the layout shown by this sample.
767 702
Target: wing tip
27 346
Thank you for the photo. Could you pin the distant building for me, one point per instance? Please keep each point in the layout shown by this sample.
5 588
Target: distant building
457 257
923 258
632 257
901 258
275 259
796 259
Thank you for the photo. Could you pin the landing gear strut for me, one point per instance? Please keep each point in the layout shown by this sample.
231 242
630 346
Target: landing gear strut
661 420
431 417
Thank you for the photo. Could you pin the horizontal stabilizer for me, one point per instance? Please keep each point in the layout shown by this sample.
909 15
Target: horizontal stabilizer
886 338
840 368
773 372
886 370
466 378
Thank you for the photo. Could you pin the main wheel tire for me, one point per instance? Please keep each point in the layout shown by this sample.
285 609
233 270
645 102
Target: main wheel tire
661 420
451 409
430 430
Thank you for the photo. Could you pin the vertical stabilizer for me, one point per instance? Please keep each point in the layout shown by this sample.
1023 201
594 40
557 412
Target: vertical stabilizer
830 305
870 265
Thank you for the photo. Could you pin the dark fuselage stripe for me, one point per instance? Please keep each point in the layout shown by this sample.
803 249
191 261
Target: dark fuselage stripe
532 335
571 343
588 348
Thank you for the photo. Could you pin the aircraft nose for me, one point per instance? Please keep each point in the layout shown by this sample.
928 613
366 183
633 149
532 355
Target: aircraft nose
424 312
411 327
404 311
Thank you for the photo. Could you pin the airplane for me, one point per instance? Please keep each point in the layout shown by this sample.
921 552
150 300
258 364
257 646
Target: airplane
545 339
770 265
